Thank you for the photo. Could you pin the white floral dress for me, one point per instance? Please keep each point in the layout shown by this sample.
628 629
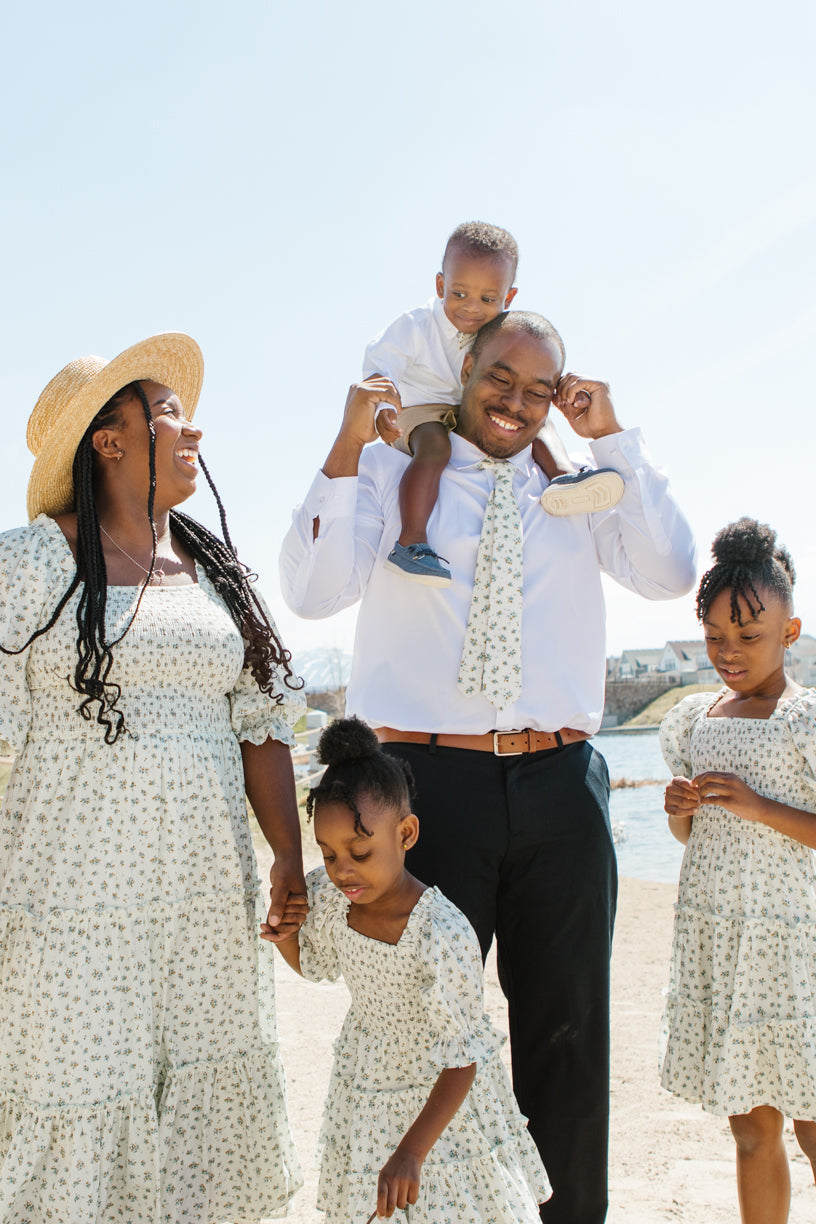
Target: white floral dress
137 1085
739 1028
417 1008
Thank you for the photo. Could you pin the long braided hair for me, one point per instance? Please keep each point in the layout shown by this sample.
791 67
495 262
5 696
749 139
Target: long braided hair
746 557
264 653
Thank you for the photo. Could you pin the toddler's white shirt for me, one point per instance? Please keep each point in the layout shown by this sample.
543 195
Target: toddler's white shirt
422 353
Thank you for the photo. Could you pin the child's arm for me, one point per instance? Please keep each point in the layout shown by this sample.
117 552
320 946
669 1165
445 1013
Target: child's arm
288 948
730 792
681 802
398 1183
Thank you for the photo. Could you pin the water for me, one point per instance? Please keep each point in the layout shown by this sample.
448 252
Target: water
648 851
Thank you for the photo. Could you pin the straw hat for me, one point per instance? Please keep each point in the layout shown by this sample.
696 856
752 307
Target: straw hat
74 396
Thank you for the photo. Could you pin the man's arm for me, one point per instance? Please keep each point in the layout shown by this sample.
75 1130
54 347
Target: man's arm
330 548
645 543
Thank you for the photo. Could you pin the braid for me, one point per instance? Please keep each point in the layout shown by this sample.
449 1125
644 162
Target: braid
746 557
264 652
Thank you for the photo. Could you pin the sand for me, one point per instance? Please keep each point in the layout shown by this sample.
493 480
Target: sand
668 1160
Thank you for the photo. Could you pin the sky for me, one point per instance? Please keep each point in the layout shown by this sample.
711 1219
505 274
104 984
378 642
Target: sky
279 180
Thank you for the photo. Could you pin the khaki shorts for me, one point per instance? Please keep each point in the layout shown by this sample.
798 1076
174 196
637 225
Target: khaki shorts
409 418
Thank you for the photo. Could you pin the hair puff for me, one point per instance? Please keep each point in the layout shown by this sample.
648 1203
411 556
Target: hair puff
746 557
347 739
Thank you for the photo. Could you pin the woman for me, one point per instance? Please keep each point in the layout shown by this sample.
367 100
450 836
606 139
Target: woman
145 689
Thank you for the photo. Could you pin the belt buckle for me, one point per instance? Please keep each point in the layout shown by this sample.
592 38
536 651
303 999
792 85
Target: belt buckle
513 752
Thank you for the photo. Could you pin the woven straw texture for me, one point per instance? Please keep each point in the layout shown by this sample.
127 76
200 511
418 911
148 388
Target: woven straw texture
74 396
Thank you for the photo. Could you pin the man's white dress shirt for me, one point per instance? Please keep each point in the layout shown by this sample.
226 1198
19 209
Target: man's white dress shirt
409 636
422 353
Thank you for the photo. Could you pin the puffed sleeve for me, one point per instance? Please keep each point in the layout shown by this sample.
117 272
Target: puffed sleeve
802 724
675 732
327 908
35 569
258 716
453 991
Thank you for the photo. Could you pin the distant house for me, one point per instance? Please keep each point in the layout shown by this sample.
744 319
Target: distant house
635 664
677 662
802 666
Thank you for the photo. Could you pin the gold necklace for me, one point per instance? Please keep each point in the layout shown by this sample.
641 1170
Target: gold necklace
158 574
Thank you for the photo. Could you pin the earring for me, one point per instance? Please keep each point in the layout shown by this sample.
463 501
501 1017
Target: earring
119 455
405 844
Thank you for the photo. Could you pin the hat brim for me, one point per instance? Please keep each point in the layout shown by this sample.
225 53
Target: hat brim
172 359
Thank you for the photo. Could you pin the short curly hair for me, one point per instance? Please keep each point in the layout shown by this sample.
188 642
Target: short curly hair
746 557
485 241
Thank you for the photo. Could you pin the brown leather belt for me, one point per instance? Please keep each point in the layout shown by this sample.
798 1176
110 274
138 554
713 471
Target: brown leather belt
501 743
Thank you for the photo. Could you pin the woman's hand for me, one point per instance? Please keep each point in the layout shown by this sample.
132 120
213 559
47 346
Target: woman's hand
288 906
398 1183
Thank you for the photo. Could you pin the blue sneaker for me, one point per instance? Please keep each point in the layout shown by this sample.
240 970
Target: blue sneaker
583 492
420 563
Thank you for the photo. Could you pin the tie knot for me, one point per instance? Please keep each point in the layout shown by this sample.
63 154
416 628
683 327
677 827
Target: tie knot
502 467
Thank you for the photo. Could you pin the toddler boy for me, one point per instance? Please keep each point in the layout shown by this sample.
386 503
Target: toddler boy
422 353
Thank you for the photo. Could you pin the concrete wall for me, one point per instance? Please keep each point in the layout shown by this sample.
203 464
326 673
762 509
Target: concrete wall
626 698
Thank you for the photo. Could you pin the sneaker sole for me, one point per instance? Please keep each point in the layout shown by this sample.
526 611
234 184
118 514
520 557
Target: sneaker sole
598 492
426 579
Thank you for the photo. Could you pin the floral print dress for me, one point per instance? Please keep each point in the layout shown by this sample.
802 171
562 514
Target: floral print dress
739 1028
417 1008
138 1084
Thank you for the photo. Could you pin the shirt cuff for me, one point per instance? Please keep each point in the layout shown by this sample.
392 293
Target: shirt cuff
625 452
329 498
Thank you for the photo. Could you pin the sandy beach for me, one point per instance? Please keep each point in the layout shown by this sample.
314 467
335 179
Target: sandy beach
668 1160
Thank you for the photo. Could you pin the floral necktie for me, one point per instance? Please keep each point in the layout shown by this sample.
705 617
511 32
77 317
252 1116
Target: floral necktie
491 656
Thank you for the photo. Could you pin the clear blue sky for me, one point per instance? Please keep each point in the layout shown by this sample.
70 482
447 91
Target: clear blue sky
278 180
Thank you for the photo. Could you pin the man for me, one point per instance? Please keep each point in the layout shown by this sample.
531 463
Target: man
514 827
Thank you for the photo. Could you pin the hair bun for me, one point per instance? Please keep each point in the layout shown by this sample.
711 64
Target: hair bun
751 544
745 542
347 739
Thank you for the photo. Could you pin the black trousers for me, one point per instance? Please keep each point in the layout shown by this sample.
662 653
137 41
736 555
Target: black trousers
523 845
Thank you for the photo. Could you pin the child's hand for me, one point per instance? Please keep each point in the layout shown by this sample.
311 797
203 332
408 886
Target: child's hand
682 798
728 791
398 1183
291 920
386 424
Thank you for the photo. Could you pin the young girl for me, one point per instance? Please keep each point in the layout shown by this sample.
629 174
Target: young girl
740 1021
420 1109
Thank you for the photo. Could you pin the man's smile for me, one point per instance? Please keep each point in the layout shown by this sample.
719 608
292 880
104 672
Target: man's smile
503 423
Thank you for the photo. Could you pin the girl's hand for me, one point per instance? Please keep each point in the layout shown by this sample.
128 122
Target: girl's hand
682 798
728 791
398 1183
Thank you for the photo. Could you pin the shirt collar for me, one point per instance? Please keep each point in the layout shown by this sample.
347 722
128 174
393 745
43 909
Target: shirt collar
465 455
446 327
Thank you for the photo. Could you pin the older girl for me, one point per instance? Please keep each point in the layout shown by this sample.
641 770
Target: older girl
740 1022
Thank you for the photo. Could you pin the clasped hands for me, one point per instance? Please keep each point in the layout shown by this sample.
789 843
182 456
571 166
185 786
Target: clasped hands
684 797
586 405
288 905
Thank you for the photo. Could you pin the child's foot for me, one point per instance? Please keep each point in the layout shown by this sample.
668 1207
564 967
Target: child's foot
583 492
420 563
